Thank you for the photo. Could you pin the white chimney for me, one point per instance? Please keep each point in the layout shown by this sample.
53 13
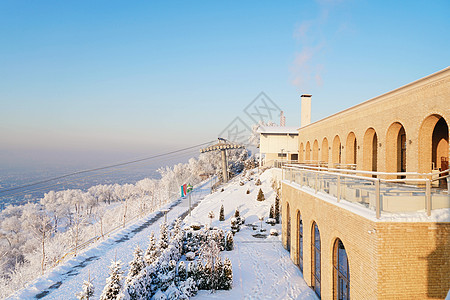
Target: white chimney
305 117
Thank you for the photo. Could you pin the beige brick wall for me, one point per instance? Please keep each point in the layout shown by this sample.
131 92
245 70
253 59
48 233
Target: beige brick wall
397 261
412 105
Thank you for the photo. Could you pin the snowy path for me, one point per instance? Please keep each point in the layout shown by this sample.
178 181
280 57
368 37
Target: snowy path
65 281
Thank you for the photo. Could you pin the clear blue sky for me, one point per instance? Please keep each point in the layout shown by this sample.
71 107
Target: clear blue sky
137 77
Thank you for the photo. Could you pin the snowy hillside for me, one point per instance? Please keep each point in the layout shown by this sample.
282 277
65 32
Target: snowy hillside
262 268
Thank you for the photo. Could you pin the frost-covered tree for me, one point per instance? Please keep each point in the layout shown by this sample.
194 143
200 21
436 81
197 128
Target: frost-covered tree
277 209
210 256
260 196
152 250
227 276
211 217
189 287
163 241
136 265
113 282
182 272
40 224
87 290
222 214
229 242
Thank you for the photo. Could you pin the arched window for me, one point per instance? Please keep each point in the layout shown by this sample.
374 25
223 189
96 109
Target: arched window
288 229
300 241
341 272
315 259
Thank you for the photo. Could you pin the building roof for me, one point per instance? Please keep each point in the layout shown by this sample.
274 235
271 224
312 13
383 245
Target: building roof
277 130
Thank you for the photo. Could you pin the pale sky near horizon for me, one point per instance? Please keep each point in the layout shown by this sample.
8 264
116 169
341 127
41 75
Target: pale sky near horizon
137 77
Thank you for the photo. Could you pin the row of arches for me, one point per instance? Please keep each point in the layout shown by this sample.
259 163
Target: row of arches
341 268
433 148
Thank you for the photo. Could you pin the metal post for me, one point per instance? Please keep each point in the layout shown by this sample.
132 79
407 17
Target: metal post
190 202
315 183
378 198
224 165
428 196
338 192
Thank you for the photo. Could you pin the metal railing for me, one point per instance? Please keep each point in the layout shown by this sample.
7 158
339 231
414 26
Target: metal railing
391 194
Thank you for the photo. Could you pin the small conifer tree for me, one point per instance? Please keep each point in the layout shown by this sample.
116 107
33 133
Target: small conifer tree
227 277
277 209
229 244
182 272
222 214
87 290
152 252
163 242
113 282
260 195
272 212
248 191
136 265
258 182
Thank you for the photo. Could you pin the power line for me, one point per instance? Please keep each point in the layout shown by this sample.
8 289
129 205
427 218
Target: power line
100 168
67 181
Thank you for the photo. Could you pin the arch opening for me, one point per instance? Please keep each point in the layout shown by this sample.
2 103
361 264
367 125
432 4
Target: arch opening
316 260
324 150
336 154
300 241
315 151
351 149
301 153
308 152
433 144
288 229
341 271
370 151
396 148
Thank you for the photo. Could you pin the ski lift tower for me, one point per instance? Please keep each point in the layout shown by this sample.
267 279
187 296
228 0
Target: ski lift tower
223 145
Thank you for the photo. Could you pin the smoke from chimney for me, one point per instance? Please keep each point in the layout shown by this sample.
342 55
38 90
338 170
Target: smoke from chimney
305 117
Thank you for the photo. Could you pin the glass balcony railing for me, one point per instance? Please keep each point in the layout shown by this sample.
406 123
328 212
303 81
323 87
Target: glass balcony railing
416 192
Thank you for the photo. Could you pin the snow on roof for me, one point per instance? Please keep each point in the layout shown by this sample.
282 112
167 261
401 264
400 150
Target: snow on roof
278 129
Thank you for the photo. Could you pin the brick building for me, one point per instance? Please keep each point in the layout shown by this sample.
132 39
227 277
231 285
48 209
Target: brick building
366 213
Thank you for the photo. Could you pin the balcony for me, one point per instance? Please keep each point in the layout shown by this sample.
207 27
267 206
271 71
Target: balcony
380 192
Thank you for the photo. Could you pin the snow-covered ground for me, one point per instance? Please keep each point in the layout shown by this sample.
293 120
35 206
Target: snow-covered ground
262 268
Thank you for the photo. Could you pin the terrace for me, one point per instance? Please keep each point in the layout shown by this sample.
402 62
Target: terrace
381 192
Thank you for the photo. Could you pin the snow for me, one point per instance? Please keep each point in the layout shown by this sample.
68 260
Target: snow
437 215
262 268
